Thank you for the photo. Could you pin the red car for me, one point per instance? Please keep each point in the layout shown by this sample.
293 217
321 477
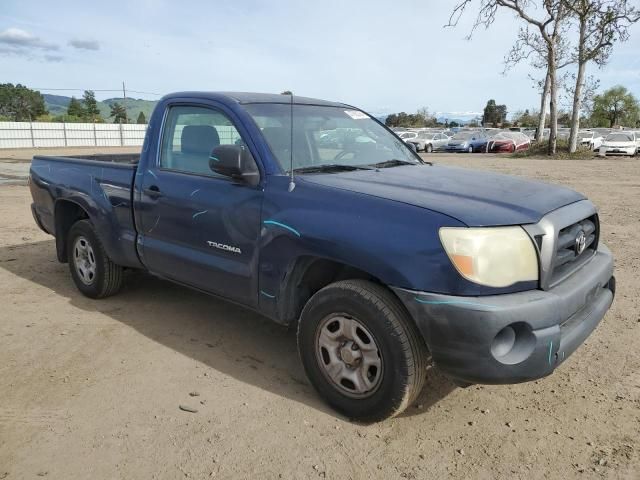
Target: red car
508 142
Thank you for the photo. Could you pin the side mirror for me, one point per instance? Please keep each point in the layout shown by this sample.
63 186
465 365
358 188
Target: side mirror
235 161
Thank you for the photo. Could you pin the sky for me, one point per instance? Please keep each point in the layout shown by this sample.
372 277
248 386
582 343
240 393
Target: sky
381 56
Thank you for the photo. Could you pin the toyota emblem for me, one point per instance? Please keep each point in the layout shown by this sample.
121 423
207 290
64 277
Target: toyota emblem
581 242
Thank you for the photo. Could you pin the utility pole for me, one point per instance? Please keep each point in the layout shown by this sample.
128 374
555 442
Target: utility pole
124 100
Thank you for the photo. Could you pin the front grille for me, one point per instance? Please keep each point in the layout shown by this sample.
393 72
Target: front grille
567 259
555 237
567 249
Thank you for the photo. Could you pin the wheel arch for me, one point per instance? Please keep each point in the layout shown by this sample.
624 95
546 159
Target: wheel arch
309 274
66 213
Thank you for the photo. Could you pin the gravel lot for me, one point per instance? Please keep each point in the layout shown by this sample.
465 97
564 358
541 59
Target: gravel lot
92 389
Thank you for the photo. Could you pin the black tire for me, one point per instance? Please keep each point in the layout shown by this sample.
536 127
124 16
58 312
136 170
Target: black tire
107 278
402 351
470 149
428 148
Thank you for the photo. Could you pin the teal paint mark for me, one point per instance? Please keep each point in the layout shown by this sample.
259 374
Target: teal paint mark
453 302
199 213
286 227
550 349
215 159
266 294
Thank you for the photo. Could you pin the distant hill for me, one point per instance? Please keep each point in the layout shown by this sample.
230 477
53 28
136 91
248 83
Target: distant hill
459 121
57 105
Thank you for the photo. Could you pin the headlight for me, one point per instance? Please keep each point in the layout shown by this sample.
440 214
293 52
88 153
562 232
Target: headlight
495 257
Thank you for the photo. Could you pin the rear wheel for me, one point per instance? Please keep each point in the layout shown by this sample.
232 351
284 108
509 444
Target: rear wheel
361 351
93 272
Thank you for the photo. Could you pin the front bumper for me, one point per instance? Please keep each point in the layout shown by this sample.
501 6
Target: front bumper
457 148
549 325
604 151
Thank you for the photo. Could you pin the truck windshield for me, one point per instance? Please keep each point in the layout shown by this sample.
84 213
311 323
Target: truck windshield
328 136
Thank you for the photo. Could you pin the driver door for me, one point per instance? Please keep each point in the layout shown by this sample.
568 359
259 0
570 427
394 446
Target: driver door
197 227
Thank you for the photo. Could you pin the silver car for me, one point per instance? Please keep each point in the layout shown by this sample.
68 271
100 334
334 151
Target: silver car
429 141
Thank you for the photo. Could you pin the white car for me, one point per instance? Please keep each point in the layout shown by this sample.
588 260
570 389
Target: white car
407 135
619 143
591 139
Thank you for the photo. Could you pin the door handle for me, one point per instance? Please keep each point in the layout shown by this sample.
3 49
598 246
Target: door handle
153 191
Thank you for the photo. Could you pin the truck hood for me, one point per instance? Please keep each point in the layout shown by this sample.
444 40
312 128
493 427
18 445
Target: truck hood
476 198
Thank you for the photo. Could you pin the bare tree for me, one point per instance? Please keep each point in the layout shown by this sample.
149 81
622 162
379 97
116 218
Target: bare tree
530 46
601 23
549 28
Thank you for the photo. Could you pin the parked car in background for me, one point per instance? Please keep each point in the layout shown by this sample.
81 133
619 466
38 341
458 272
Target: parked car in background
469 142
589 138
429 141
407 135
563 133
508 142
619 143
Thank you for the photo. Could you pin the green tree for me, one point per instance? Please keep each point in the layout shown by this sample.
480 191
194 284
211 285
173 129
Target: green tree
119 113
286 92
615 106
494 114
526 119
391 120
141 118
404 119
20 103
75 109
564 118
90 104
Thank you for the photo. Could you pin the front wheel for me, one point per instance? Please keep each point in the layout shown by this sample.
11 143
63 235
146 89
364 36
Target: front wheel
93 272
428 148
361 351
470 149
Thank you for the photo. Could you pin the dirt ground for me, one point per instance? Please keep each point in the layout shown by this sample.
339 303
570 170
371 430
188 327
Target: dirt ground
92 389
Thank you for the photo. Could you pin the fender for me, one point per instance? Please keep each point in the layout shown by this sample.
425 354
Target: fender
318 222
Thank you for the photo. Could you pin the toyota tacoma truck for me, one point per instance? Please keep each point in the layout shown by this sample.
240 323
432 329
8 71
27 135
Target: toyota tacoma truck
314 214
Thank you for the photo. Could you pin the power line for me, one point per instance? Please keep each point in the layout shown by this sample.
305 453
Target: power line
94 90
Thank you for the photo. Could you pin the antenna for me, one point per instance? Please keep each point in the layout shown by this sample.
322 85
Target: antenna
124 102
292 182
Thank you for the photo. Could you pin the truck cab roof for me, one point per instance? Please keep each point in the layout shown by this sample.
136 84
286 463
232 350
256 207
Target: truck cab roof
252 97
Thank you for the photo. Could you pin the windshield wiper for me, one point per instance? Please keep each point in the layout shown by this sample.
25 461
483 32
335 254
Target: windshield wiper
331 167
393 163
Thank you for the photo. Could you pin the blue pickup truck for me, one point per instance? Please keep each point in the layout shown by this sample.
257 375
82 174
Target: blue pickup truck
317 216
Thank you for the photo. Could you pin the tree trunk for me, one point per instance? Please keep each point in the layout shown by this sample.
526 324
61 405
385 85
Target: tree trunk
553 100
577 93
543 109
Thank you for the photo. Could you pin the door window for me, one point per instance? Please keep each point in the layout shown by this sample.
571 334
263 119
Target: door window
190 135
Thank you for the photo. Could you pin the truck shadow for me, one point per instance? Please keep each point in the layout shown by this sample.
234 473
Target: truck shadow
223 336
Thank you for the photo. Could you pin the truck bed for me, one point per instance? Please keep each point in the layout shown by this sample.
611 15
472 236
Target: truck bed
101 185
119 158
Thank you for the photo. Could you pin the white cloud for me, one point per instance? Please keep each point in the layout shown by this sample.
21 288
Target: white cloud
21 40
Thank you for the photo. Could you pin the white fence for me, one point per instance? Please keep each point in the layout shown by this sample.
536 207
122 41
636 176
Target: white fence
43 134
